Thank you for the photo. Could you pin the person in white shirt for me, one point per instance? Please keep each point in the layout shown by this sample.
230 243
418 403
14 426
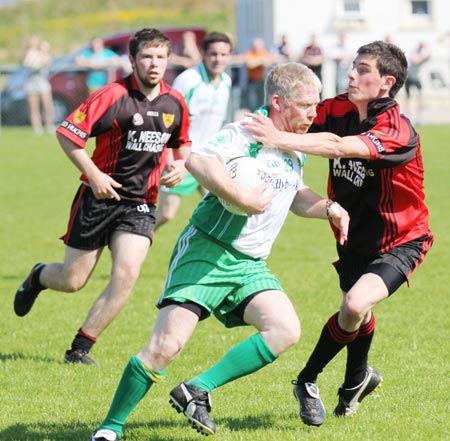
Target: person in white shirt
206 90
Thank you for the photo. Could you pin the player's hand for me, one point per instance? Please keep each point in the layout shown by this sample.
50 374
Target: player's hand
103 186
261 128
256 201
176 172
341 220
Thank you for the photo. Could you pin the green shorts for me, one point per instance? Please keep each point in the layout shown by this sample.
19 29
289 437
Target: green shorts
186 187
206 272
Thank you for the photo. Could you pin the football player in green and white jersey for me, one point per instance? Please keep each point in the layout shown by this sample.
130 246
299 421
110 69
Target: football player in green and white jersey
206 90
218 263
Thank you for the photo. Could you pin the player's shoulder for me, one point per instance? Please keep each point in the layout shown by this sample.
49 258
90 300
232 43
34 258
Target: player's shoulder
109 93
191 75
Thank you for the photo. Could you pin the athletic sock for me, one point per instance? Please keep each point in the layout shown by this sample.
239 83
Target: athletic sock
82 341
357 355
243 359
35 283
135 382
331 341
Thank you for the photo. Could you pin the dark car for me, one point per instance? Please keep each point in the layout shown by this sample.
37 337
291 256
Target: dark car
68 81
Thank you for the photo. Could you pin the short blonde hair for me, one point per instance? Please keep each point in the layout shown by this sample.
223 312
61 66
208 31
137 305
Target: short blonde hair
284 79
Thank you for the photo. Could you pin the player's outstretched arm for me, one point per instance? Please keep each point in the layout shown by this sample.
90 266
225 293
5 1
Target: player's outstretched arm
324 144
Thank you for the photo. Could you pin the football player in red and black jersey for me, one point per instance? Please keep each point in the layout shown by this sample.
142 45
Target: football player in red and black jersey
133 120
376 173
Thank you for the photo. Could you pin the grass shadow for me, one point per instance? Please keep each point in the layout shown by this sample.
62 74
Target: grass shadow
21 356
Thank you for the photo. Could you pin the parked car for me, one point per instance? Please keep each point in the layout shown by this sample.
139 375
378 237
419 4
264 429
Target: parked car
68 81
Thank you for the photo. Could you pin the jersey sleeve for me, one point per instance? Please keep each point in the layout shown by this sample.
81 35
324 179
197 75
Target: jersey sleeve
87 119
186 82
180 136
392 142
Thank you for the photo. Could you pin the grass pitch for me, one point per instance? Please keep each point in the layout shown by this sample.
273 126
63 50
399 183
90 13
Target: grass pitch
41 398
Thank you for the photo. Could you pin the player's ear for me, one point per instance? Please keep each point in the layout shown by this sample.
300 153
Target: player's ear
276 102
389 81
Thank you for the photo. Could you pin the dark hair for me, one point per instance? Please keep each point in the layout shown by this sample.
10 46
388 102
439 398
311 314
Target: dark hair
215 37
391 60
151 36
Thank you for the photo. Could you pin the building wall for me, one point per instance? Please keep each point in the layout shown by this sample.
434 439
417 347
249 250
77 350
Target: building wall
377 19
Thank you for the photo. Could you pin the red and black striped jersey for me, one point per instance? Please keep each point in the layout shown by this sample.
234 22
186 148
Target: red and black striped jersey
385 194
131 134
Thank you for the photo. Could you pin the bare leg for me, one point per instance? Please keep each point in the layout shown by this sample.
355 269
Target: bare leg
35 113
168 205
47 102
73 273
128 253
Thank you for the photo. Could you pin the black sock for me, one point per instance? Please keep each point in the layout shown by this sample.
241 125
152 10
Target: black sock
82 342
357 355
331 341
35 283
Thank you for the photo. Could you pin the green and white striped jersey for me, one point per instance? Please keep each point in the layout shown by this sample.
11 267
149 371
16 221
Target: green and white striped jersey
254 235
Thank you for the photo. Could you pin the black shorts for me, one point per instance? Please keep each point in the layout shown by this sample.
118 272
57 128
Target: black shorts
394 266
93 221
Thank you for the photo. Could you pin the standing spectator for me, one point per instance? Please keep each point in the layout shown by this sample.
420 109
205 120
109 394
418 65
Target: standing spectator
313 56
342 56
206 89
284 49
416 60
37 59
190 53
99 60
256 60
133 121
218 264
376 174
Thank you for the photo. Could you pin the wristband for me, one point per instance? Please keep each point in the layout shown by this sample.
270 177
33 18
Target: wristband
333 210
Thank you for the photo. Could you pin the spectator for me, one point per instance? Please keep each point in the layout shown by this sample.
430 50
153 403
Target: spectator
313 56
284 49
256 60
190 53
342 56
98 59
417 58
37 59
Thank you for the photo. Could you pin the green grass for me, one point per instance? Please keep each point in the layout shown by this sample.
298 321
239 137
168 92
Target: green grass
67 26
43 399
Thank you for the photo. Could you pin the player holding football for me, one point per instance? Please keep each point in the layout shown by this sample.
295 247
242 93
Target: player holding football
218 264
133 121
376 174
206 90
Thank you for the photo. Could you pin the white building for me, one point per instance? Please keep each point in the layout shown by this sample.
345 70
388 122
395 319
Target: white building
405 22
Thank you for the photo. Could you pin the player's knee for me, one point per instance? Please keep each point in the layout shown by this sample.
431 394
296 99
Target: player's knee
353 308
74 283
285 334
164 350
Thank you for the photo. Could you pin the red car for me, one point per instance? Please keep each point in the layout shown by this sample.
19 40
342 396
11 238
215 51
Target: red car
69 81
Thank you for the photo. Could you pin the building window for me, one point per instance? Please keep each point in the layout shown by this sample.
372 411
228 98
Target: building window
420 7
352 6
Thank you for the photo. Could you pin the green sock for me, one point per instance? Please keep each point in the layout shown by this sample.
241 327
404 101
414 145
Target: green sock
245 358
135 382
